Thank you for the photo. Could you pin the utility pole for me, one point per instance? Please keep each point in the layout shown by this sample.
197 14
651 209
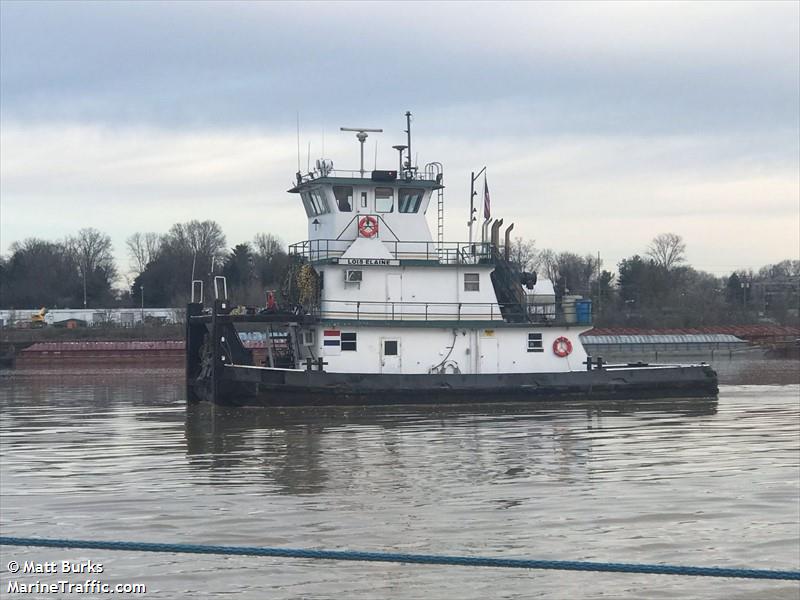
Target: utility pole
472 193
84 283
141 289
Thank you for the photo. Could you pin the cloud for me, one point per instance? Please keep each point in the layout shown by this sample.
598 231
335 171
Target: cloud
581 194
565 67
602 124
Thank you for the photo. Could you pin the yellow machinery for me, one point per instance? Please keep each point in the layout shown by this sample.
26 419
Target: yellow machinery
37 320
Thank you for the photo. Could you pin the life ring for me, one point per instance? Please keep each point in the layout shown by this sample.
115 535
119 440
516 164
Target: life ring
368 226
562 347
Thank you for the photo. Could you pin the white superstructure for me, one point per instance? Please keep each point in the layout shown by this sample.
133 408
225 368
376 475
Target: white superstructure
392 299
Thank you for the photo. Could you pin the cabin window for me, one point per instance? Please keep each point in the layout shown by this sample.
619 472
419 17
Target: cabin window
348 341
384 199
315 203
308 337
409 199
344 197
535 342
363 199
353 279
472 282
319 202
390 348
307 204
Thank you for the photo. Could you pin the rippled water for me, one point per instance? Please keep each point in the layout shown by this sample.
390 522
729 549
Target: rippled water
117 456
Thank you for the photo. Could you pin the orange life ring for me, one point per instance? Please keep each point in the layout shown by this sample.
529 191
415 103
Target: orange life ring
562 347
368 226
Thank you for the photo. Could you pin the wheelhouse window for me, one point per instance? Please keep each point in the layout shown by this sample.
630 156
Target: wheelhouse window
535 342
344 197
472 282
349 341
315 203
384 199
409 199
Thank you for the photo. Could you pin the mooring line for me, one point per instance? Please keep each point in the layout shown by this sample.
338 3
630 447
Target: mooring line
425 559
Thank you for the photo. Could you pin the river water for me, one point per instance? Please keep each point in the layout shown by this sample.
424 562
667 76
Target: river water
116 455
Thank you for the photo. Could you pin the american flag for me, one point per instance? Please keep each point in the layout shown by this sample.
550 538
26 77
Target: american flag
486 204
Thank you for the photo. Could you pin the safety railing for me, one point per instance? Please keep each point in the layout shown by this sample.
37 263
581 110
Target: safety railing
409 311
362 310
402 176
444 253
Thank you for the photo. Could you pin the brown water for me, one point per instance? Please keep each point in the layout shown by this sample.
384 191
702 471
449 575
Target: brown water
116 456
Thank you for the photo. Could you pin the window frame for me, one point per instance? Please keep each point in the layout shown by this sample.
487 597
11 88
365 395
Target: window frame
533 341
349 198
390 197
352 339
420 194
468 285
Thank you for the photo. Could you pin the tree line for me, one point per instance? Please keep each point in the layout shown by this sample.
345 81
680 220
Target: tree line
653 289
658 289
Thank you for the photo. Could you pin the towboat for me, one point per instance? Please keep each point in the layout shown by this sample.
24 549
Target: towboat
377 311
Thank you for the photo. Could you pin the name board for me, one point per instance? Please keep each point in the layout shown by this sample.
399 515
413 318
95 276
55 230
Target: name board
369 262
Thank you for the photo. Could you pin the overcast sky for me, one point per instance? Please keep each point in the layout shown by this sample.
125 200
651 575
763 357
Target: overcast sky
601 124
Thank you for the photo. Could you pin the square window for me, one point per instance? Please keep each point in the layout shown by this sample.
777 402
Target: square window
384 199
349 341
409 199
390 348
535 342
344 197
472 282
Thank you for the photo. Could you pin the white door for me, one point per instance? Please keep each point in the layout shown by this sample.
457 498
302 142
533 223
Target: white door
489 354
390 355
394 286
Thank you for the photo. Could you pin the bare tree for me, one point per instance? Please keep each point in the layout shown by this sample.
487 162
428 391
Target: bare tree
203 239
267 245
92 250
667 250
524 254
143 248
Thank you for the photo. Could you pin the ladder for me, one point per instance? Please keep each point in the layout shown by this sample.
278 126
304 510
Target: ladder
434 171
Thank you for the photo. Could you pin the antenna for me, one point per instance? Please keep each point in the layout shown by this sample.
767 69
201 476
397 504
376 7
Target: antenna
409 167
400 149
298 141
308 158
361 136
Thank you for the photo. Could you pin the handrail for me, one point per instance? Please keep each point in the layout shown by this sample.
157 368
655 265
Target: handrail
445 253
402 176
437 311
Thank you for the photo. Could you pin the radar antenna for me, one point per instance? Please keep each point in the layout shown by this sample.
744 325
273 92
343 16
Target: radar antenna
409 167
361 135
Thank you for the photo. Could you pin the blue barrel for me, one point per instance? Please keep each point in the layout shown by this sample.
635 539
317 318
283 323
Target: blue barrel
583 311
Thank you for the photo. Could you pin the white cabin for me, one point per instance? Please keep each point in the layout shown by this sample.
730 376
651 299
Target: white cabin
394 300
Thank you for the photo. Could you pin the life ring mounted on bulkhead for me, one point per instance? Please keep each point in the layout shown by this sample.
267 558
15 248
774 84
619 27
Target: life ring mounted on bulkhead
368 226
562 347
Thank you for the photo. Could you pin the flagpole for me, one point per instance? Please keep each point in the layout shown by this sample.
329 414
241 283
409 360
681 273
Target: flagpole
473 178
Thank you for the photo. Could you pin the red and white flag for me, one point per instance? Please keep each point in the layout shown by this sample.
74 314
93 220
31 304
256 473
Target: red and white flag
487 212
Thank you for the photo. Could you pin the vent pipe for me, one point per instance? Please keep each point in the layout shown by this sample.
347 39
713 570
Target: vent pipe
507 249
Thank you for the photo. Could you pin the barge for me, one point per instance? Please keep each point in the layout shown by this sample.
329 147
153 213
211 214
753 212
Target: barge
376 311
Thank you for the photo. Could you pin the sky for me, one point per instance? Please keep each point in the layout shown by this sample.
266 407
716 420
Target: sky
601 124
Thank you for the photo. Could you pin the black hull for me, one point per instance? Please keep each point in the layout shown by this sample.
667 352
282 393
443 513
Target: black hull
247 386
